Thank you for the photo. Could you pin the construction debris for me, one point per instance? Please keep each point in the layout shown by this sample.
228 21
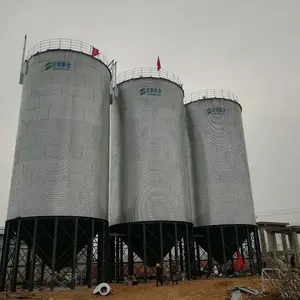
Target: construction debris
23 296
236 295
249 291
102 289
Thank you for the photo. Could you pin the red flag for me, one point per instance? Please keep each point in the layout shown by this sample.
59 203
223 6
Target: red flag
239 263
95 51
158 65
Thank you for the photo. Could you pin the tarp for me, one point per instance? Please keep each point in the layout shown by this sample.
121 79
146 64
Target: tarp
239 263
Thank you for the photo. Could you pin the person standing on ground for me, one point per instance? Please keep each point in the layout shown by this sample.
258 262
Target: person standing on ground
292 261
174 274
158 274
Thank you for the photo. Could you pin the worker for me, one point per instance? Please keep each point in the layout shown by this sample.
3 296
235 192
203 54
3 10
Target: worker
215 271
174 274
292 261
158 274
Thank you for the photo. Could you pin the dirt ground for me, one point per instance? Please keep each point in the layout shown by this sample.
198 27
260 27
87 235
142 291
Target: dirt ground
202 289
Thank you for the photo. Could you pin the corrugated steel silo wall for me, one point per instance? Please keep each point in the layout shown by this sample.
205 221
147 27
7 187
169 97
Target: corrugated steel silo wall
115 162
61 155
190 167
221 180
149 175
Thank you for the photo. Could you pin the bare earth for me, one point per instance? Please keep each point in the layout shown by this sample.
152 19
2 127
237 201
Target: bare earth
203 289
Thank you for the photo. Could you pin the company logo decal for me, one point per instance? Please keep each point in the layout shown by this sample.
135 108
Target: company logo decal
150 91
58 65
215 111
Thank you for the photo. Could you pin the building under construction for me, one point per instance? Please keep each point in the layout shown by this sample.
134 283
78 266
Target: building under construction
113 174
150 194
223 210
279 241
58 205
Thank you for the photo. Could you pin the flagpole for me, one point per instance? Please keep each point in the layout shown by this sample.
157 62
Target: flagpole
22 61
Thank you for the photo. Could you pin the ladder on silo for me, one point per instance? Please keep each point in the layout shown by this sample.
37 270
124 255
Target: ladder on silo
23 70
113 84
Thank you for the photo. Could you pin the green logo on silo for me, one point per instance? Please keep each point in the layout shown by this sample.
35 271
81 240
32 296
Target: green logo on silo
150 91
58 65
48 66
215 111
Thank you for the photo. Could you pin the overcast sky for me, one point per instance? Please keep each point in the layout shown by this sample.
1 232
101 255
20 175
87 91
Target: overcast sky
249 47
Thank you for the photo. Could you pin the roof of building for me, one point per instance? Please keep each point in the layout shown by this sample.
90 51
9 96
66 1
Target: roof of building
273 224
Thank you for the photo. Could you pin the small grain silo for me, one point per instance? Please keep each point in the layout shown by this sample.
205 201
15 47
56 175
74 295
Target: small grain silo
58 201
223 211
149 195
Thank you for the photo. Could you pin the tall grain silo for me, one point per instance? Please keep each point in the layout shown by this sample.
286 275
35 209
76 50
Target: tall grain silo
58 205
223 211
149 195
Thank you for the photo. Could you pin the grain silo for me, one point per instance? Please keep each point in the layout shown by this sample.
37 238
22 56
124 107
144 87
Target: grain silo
223 212
149 199
58 203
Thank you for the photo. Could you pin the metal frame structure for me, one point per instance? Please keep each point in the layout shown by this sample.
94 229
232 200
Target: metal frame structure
148 72
211 94
70 251
54 251
218 246
65 44
137 247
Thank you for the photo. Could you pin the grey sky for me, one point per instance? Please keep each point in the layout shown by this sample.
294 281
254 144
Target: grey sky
249 47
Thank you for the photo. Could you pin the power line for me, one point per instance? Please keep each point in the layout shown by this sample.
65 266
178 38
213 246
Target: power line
287 212
280 210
